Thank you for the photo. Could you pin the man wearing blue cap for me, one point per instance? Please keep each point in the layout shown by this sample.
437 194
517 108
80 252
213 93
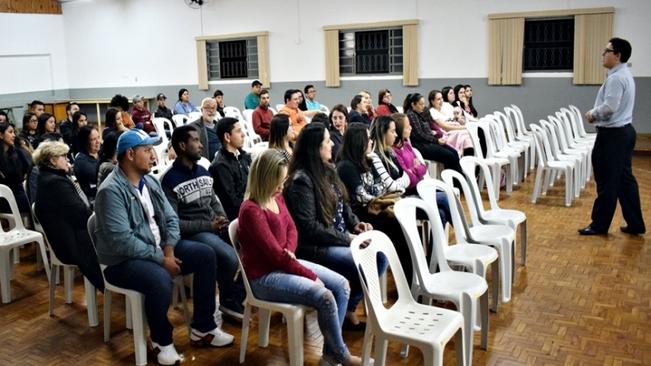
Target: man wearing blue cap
138 239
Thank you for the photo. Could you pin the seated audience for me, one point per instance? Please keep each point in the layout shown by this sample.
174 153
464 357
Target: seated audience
66 126
79 120
32 179
371 200
326 224
183 105
107 157
359 111
219 98
206 126
460 96
261 117
368 102
113 122
162 111
141 116
63 209
46 124
143 250
424 139
15 164
37 107
268 240
449 102
470 104
30 122
252 100
86 161
296 116
454 131
310 98
384 107
337 127
188 187
230 168
281 135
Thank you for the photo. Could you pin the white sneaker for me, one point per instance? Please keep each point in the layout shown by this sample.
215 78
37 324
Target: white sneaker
166 355
214 338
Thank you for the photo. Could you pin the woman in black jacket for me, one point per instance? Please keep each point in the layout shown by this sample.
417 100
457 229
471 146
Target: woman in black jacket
63 210
326 225
338 124
15 163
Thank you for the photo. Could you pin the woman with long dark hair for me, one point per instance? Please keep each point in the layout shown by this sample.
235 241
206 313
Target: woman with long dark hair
268 240
469 102
426 140
30 122
107 156
46 125
384 107
86 161
79 120
113 122
326 224
455 132
15 164
281 134
183 105
338 122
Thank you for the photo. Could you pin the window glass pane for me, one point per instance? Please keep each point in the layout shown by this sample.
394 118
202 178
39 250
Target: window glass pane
548 44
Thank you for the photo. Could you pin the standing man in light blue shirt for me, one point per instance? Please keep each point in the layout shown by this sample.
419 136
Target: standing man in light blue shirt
611 156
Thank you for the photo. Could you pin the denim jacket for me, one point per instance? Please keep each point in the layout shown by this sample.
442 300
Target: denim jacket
123 229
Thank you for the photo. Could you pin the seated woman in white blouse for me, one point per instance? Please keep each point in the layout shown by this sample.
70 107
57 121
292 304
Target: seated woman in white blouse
454 126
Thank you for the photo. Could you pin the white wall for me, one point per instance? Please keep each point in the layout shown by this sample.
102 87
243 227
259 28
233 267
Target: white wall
131 43
32 53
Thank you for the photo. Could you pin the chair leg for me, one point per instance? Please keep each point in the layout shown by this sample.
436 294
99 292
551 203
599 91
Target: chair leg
495 270
245 331
467 309
139 339
91 303
459 345
295 337
16 253
46 262
380 351
5 276
429 356
107 315
523 240
184 304
264 316
127 309
367 344
68 282
505 268
483 305
537 184
52 287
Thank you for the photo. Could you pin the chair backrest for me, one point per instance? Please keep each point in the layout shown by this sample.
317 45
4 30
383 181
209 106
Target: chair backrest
6 193
365 248
234 112
405 210
273 111
450 177
248 115
568 125
232 233
427 191
506 124
469 165
496 133
324 108
279 107
473 131
205 163
552 139
543 150
563 142
520 120
578 121
484 125
513 117
180 119
193 116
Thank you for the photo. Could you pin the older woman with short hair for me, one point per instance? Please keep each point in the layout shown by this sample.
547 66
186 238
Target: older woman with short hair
63 210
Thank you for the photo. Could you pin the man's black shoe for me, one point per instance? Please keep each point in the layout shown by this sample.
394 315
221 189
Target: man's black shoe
628 230
349 326
589 230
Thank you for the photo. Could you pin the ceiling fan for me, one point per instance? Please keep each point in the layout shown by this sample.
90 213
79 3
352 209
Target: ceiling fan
194 4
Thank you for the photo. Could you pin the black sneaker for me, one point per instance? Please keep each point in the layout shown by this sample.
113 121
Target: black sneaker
233 310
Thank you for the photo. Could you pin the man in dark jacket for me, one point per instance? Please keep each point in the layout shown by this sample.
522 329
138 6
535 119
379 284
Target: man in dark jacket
188 187
230 169
206 127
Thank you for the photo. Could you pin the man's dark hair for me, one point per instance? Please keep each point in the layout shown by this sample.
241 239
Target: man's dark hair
289 93
320 117
623 47
225 125
36 102
121 102
264 91
307 87
181 134
218 93
256 83
69 106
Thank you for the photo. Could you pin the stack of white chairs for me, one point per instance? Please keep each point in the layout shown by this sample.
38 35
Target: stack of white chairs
507 134
425 327
496 160
522 132
579 129
465 290
549 166
578 158
252 136
574 141
568 147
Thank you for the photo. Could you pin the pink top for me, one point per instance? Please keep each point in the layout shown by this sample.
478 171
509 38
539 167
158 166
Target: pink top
264 236
407 157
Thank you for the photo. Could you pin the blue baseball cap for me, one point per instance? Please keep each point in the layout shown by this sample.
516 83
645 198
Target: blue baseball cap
133 138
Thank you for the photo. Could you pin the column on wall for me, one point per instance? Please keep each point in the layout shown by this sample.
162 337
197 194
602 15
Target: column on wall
202 65
332 58
591 34
505 45
410 55
263 59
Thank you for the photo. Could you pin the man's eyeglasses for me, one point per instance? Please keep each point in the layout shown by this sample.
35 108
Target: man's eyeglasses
606 50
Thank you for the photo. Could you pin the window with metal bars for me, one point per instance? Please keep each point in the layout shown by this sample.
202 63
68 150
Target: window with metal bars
548 45
370 52
237 59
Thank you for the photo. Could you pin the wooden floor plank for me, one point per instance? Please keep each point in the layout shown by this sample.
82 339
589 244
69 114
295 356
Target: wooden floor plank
579 301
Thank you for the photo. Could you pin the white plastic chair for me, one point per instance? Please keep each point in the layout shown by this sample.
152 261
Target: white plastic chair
293 313
68 279
555 125
523 131
135 307
324 108
498 146
499 237
496 163
463 289
548 165
426 327
578 123
520 135
577 159
234 112
180 119
193 116
564 117
494 215
14 238
279 107
507 134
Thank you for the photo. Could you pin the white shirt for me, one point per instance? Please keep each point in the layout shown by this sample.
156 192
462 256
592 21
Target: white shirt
145 199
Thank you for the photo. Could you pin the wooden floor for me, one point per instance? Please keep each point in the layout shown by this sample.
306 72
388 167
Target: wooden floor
579 301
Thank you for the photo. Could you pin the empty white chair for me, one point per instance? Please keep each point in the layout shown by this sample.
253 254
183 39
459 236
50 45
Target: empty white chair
548 165
507 135
426 327
193 116
14 238
578 123
520 134
556 126
496 163
294 314
180 119
494 215
576 159
463 289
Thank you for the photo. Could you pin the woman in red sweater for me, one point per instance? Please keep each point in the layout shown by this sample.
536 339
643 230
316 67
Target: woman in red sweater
268 239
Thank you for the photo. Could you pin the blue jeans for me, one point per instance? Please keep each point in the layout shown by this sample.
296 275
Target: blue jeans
155 283
444 207
340 260
231 293
329 301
